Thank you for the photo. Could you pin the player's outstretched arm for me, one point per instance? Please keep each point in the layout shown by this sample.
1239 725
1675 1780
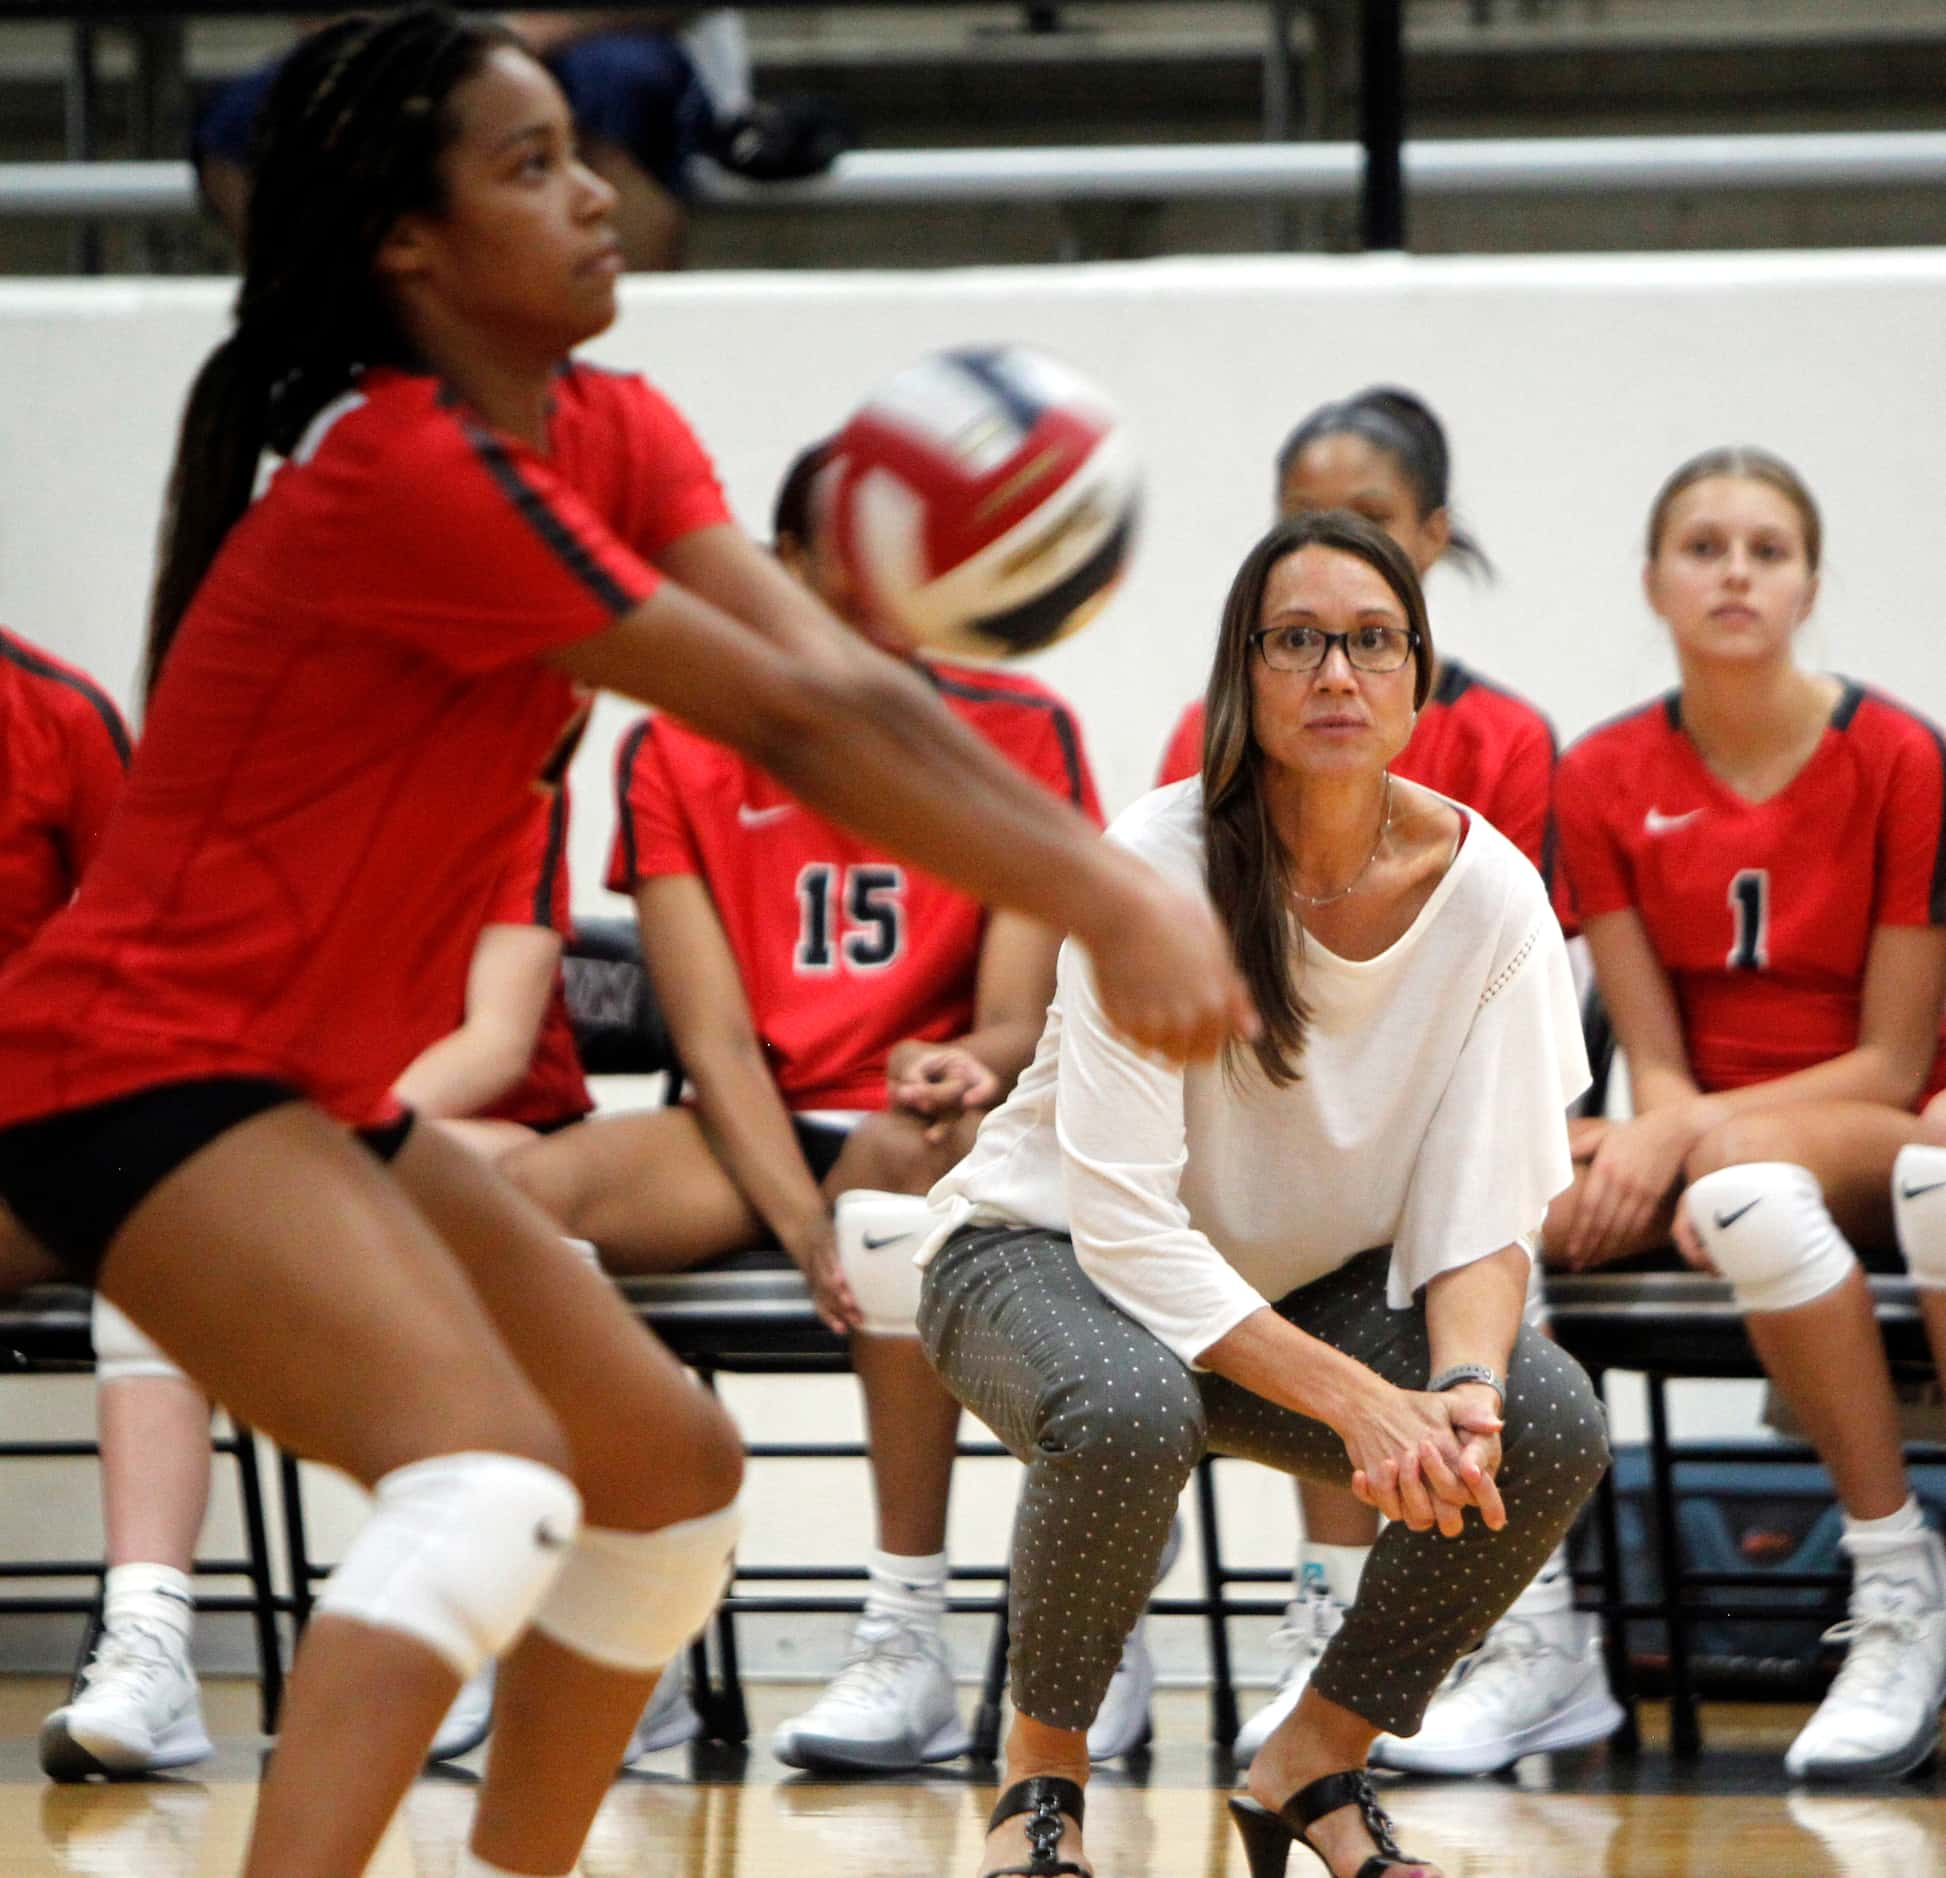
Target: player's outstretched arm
868 743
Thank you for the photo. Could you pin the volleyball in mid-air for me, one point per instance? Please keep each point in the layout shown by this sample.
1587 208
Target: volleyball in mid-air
983 501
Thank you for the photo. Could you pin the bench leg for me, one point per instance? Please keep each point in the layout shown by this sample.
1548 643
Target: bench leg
1685 1728
263 1593
1614 1594
986 1718
1222 1690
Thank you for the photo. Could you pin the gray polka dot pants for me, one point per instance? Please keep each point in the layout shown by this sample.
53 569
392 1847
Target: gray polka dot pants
1111 1424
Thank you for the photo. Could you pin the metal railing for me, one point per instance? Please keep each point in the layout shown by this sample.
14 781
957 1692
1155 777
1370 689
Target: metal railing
1291 173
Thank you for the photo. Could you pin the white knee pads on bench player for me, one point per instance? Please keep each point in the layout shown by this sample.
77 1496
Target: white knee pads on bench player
458 1552
877 1234
631 1600
121 1351
1768 1232
1919 1211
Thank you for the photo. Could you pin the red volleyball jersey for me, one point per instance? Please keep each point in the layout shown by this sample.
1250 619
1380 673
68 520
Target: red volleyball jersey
344 744
842 950
1474 742
533 891
63 753
1761 912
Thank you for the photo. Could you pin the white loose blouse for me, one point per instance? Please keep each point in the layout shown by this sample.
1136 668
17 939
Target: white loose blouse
1429 1114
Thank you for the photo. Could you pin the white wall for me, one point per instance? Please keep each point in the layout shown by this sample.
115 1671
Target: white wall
1570 388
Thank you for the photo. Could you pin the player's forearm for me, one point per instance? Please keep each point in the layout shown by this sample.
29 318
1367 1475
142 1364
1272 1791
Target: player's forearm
881 755
467 1070
1006 1046
1870 1073
750 1130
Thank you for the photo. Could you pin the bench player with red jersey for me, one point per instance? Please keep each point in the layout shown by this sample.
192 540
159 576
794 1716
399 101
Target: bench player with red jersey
1759 862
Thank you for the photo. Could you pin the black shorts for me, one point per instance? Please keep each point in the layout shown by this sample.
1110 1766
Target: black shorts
821 1141
73 1179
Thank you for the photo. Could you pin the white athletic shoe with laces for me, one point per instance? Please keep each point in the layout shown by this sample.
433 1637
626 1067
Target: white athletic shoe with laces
668 1721
1881 1715
1535 1685
137 1711
892 1706
1122 1723
1310 1622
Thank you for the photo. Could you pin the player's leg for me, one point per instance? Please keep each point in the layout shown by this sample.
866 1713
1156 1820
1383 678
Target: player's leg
24 1260
893 1705
137 1709
645 1187
1777 1199
488 1137
659 1519
282 1266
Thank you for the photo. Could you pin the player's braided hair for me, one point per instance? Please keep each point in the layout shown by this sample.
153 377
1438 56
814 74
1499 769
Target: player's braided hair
1403 425
1249 873
349 140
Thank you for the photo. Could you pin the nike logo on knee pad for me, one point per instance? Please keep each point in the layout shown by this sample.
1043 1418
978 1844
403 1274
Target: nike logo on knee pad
548 1539
893 1238
1726 1220
1913 1193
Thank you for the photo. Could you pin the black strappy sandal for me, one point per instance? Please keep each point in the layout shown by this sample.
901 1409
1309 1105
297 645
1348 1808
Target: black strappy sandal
1044 1798
1268 1836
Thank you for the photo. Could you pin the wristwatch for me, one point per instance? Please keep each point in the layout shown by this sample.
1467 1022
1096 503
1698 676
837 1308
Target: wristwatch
1457 1373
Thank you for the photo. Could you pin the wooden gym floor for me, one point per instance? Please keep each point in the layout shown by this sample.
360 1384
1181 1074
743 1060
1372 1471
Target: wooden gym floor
716 1814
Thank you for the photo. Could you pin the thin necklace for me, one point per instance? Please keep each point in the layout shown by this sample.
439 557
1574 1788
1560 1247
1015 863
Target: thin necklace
1378 841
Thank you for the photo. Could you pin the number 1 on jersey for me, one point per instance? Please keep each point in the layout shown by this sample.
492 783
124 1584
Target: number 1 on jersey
1750 904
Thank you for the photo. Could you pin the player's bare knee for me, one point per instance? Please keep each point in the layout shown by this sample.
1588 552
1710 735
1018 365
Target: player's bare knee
882 1152
633 1487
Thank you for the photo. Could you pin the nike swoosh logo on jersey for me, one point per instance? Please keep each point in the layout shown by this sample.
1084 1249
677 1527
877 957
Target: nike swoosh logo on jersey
1657 823
748 817
891 1238
1905 1193
1724 1221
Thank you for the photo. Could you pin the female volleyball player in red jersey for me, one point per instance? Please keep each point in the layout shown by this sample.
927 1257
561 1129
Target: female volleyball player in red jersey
356 679
1759 862
1382 453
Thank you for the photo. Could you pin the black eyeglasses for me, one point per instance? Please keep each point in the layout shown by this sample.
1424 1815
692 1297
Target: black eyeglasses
1305 648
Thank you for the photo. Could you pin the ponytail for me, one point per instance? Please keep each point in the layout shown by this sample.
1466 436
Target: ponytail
348 140
223 436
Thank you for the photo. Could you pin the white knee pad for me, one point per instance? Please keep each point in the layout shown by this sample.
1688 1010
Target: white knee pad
457 1553
1768 1232
1919 1212
877 1236
122 1351
631 1600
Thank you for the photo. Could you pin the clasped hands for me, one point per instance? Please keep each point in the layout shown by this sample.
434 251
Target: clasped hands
1425 1459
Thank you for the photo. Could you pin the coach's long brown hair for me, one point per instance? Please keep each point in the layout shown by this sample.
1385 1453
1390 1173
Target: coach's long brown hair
1249 871
348 141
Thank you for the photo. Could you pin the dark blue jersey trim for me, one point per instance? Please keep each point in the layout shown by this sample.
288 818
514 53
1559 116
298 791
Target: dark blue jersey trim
16 652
